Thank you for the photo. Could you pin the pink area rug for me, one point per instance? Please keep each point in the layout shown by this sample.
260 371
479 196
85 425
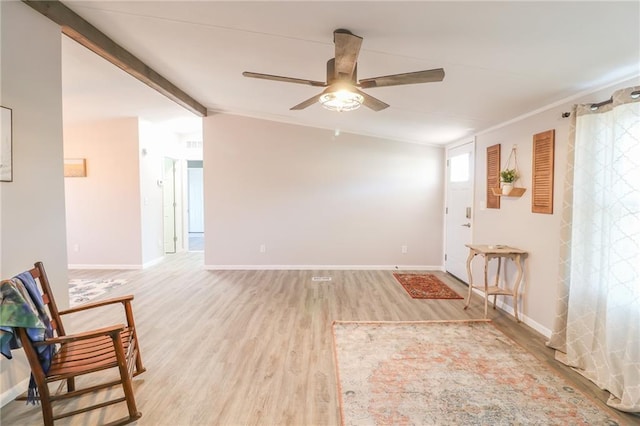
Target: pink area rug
449 373
425 286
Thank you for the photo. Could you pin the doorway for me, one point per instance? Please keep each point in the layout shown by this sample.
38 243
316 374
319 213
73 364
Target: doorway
459 209
169 206
195 203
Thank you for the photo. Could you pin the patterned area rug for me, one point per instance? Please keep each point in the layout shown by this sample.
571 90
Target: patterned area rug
449 373
425 286
81 291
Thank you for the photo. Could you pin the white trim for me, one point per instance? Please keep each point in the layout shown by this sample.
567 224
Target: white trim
153 262
291 121
459 143
536 326
81 266
556 104
326 267
13 392
145 266
525 319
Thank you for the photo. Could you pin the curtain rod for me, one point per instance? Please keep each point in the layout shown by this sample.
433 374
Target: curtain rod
595 106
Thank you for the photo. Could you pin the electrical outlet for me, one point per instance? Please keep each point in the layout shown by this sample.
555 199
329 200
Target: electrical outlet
263 248
76 248
403 249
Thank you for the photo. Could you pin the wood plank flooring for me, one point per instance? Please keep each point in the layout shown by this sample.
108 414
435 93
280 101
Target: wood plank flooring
255 347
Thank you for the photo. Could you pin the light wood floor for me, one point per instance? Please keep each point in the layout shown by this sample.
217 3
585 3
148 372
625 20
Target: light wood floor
255 347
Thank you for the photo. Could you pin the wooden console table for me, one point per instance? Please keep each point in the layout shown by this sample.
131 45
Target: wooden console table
491 252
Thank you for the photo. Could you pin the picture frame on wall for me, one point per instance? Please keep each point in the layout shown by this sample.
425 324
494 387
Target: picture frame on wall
75 167
6 141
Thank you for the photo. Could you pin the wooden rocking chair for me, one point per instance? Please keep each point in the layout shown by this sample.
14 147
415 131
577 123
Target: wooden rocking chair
79 354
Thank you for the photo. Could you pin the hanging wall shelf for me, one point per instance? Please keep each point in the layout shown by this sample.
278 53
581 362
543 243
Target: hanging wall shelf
515 192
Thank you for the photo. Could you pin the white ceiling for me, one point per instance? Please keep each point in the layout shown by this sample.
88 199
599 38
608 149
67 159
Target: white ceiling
501 59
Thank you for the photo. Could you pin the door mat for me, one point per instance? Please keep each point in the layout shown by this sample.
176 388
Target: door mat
425 286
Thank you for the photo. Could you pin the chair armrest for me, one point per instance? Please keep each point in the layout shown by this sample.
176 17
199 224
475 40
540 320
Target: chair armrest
82 336
84 307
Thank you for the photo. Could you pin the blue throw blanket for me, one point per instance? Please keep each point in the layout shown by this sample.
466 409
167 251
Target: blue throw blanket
21 306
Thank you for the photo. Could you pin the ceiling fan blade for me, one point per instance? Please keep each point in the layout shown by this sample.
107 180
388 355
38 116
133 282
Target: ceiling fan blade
371 102
284 79
347 50
307 103
427 76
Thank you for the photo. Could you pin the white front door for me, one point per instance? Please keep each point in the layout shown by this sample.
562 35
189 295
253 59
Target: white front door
459 213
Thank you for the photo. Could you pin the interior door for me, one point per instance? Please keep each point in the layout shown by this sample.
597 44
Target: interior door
459 213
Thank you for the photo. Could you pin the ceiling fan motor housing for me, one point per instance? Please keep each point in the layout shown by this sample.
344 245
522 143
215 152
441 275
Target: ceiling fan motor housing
332 74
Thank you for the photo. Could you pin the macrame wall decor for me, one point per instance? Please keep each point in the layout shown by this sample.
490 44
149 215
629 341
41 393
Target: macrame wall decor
508 176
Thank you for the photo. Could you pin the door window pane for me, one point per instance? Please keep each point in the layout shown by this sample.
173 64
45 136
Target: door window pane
459 168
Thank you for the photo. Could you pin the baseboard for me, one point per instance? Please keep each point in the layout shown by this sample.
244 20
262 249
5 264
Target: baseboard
83 266
537 326
13 392
143 266
525 319
152 262
326 267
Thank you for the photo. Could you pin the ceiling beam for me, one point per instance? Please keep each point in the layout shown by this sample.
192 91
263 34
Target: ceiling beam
74 26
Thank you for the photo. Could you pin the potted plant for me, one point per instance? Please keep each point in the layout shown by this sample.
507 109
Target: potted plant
508 177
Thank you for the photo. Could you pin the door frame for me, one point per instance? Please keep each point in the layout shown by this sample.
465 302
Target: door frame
169 188
449 148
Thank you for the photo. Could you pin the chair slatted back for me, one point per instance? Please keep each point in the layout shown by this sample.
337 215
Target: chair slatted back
38 273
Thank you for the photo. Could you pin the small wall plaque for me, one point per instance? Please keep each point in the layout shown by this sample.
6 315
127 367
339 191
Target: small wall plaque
75 167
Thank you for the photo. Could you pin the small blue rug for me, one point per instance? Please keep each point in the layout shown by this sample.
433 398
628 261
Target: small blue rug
83 290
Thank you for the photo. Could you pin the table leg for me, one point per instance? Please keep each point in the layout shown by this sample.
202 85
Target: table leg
516 286
469 259
497 281
486 285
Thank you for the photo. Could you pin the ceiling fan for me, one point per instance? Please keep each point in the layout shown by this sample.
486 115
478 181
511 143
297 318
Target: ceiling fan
342 91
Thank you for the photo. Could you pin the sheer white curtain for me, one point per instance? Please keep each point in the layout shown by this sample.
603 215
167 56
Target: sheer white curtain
597 330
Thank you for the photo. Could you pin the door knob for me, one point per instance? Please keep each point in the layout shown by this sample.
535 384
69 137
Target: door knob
468 225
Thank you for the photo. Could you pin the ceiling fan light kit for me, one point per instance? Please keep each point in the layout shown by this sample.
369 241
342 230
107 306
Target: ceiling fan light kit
342 93
340 99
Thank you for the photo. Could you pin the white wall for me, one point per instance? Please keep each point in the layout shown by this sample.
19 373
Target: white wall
32 206
1 103
514 224
314 199
115 214
104 208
